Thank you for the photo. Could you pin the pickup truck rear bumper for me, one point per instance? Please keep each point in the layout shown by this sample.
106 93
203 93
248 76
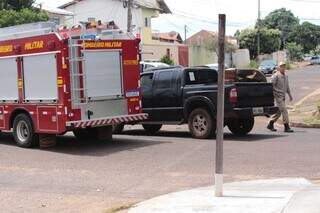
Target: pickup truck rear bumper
253 111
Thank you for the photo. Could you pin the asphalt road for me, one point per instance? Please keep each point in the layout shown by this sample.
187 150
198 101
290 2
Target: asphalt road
92 177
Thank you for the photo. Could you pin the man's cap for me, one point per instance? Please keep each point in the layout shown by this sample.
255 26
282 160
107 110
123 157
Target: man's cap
281 63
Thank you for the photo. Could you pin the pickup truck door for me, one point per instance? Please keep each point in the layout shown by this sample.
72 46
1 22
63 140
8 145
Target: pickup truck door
167 96
146 89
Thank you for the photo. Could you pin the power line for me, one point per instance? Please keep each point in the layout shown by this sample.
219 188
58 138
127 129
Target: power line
310 19
307 1
230 24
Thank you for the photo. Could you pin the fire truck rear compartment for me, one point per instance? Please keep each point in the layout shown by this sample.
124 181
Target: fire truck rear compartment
98 84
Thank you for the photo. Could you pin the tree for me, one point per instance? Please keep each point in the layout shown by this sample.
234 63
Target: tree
295 51
12 17
167 60
283 20
15 4
315 51
269 40
308 35
237 34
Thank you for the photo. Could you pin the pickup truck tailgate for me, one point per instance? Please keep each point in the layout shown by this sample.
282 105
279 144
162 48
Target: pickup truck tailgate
254 94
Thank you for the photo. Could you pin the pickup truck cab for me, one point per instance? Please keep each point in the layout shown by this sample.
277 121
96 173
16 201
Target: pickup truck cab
176 95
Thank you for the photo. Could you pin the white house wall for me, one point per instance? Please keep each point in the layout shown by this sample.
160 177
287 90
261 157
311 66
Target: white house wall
105 10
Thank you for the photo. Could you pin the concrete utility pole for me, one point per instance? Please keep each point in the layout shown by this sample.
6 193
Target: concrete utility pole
220 108
258 23
129 23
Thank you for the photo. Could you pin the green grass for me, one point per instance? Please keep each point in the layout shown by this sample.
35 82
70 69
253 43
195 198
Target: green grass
254 64
120 208
312 120
289 66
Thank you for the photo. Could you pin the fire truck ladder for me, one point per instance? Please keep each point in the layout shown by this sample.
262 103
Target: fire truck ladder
78 87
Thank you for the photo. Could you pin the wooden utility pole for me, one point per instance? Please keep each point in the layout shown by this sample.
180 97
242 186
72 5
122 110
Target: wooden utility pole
220 108
129 23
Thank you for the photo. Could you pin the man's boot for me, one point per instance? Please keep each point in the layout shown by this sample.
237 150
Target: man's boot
287 128
271 126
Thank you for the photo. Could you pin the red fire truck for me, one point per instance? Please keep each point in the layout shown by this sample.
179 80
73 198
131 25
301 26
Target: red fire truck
52 82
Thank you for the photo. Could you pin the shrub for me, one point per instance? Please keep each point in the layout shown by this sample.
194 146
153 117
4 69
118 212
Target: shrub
295 51
167 60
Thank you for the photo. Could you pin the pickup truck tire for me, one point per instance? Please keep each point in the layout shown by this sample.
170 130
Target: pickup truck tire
117 128
152 128
201 124
241 127
23 131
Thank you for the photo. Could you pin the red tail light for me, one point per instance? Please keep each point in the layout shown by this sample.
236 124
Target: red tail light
234 96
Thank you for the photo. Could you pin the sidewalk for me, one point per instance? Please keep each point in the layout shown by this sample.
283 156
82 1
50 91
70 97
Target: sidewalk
289 195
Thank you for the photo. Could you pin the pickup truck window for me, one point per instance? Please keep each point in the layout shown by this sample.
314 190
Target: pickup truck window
146 80
201 77
164 80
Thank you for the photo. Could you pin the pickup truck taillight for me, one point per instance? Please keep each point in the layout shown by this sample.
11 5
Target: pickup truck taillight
233 96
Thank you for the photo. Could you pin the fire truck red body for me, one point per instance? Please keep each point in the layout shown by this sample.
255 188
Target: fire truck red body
52 82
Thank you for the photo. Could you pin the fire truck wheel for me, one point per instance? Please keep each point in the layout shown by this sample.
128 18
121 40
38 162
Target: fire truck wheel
23 131
117 128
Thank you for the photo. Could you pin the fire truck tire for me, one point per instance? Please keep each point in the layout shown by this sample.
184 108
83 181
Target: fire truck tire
23 131
117 128
152 128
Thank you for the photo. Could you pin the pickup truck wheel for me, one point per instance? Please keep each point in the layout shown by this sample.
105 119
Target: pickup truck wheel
23 132
152 128
241 127
201 124
117 128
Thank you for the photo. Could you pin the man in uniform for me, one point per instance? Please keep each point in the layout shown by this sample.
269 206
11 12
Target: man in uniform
281 87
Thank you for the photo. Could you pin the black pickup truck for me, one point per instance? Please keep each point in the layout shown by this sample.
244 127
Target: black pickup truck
177 96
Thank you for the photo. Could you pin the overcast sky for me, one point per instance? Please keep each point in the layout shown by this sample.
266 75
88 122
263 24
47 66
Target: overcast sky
202 14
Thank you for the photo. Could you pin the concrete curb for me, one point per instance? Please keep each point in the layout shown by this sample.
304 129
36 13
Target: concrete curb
263 196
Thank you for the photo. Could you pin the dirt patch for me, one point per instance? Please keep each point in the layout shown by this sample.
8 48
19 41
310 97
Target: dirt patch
306 113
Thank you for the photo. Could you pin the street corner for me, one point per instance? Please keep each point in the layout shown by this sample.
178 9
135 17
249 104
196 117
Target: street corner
264 196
